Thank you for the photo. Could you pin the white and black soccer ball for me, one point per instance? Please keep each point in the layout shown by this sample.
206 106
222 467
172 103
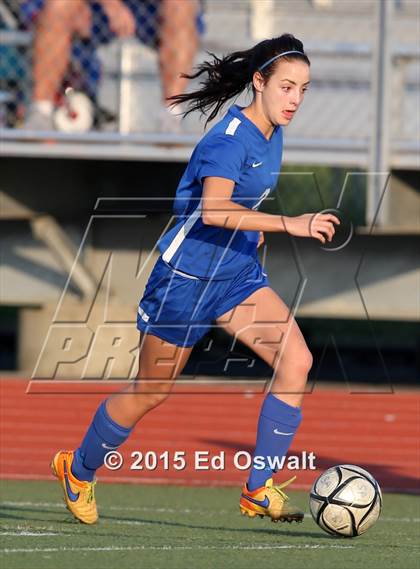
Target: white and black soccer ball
345 500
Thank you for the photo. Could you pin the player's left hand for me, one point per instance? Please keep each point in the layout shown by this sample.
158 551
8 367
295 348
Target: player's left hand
121 19
261 239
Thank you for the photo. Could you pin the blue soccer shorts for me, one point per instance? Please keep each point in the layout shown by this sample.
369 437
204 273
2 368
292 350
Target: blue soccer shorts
180 308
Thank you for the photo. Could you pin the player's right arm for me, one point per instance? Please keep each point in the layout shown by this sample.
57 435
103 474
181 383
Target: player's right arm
218 209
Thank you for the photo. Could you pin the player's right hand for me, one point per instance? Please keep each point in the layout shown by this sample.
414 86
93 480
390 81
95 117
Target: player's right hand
121 19
317 225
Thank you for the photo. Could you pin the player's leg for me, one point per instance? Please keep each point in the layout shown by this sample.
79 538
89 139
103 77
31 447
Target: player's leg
159 365
56 24
263 322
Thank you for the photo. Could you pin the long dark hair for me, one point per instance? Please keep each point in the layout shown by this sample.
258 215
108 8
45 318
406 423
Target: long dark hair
226 77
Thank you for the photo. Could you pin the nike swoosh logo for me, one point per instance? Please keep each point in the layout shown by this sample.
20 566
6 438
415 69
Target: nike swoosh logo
104 445
256 164
263 503
72 496
276 432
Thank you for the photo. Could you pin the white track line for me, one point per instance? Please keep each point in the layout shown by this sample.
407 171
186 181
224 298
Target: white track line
172 548
61 506
28 533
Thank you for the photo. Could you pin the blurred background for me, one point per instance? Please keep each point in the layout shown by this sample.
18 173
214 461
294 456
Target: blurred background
91 156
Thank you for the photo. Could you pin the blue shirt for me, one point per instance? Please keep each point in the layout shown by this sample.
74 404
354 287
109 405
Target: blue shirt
235 149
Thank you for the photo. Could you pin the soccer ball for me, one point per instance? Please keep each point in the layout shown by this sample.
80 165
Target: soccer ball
345 500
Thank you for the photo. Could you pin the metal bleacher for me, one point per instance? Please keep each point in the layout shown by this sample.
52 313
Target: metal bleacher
334 125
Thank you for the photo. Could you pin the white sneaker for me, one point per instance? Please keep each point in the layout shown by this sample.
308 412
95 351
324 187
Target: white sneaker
169 122
39 118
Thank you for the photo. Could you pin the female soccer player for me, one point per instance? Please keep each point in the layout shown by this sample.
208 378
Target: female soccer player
208 270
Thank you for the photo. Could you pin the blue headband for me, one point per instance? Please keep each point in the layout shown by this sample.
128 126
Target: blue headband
277 56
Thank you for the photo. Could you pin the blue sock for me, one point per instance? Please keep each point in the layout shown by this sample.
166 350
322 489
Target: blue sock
103 435
277 426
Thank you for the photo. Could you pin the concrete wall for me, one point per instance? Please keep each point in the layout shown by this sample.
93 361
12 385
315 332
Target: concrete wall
373 275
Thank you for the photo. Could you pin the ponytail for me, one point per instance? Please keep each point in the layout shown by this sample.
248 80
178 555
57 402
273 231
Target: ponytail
226 77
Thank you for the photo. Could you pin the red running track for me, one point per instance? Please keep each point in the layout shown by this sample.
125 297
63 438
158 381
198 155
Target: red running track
380 432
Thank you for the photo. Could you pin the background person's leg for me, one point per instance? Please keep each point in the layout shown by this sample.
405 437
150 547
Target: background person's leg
177 49
55 26
178 43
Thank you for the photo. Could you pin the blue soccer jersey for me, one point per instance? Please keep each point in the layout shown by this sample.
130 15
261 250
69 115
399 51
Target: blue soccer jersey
235 149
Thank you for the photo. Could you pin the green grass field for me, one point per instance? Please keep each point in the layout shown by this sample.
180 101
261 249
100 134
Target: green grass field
173 527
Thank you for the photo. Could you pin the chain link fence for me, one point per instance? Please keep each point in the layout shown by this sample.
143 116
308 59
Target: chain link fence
69 64
109 64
